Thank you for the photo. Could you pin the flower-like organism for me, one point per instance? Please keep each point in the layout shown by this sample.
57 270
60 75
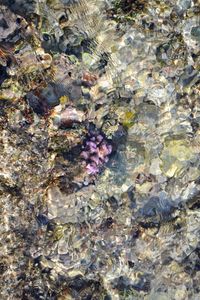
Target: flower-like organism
96 151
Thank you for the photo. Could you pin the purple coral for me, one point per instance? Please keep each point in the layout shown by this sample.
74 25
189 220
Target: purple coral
96 152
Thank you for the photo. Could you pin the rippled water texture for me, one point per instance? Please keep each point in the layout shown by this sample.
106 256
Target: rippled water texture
100 140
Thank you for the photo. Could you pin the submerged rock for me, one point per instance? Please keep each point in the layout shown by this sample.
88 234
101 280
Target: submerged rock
68 116
195 32
176 156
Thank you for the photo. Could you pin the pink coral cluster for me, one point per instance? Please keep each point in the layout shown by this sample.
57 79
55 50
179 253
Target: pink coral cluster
95 152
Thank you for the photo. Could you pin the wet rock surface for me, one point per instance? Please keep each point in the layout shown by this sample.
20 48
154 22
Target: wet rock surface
99 175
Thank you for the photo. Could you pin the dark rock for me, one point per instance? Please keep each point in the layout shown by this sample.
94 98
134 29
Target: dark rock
113 203
106 224
3 74
21 7
42 220
35 103
125 284
155 212
195 32
155 206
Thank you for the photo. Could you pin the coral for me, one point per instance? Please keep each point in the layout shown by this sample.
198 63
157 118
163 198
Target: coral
96 151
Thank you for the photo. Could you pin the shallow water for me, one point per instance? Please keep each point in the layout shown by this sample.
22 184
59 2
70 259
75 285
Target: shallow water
99 149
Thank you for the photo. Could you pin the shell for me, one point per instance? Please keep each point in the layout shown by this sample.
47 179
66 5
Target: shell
68 117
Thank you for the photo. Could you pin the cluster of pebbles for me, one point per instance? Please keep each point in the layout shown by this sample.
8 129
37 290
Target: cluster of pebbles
99 150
